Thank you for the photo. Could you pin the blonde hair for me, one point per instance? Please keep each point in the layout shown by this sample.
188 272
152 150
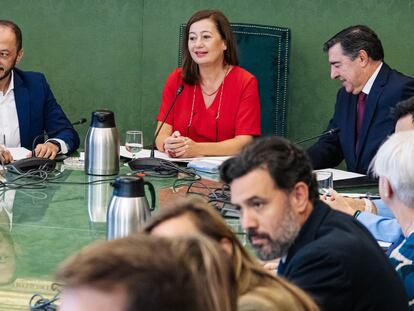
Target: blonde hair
249 272
159 274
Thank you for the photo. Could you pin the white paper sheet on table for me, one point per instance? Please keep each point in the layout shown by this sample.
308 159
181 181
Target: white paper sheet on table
19 153
340 174
145 153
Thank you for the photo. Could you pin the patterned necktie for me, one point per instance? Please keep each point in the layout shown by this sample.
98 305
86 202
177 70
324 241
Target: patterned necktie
362 97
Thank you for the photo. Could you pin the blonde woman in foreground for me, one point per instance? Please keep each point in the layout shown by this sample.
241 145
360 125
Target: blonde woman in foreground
255 285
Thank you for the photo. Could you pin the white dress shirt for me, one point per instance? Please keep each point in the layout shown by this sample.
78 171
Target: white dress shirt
9 123
368 86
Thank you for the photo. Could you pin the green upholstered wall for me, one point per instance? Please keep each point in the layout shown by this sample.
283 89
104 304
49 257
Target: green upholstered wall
118 53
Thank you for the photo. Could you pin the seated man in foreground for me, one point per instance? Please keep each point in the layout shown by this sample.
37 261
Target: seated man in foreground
327 253
28 108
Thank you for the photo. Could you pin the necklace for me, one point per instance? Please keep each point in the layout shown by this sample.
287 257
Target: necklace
190 121
210 94
216 90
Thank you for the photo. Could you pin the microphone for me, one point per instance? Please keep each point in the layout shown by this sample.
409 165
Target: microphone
179 90
332 131
22 166
152 163
80 121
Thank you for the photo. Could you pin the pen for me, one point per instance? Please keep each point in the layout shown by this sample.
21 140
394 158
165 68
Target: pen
370 196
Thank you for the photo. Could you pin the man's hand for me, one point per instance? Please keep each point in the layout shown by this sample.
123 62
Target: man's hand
5 155
46 150
340 203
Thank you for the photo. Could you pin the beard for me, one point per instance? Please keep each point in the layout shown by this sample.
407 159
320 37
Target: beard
286 234
5 72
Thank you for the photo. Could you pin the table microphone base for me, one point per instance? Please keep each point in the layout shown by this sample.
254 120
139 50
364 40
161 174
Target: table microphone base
161 166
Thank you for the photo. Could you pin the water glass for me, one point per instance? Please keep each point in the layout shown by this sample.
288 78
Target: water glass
134 142
325 181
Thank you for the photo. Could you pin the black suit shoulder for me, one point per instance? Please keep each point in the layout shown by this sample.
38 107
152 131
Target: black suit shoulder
339 263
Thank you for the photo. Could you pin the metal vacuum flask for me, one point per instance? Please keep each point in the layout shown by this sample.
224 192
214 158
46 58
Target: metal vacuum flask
102 145
128 209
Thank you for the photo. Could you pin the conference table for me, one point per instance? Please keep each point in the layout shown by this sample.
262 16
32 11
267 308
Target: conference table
39 228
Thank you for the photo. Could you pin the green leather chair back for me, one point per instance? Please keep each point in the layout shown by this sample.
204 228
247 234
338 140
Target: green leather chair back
264 52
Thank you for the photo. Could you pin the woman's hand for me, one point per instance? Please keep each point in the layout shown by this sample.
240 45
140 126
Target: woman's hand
174 144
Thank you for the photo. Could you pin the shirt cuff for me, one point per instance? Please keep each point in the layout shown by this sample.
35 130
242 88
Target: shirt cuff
63 146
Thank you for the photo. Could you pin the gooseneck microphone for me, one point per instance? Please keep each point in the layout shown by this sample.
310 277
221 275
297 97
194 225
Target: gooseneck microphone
179 90
332 131
35 163
152 163
80 121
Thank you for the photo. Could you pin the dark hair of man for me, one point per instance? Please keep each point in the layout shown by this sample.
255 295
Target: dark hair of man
356 38
404 108
285 162
16 30
191 73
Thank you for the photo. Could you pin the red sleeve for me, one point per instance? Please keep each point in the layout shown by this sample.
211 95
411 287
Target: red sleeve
248 115
174 80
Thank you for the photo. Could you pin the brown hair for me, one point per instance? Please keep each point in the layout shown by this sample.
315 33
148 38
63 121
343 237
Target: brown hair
158 274
190 72
249 273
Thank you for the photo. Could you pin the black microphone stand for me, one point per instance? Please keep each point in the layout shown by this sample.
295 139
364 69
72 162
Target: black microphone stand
329 132
161 166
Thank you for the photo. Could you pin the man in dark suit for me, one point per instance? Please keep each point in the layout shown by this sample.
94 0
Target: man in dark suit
27 105
325 252
362 111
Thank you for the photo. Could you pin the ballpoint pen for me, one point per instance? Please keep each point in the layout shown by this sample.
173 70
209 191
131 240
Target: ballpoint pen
370 196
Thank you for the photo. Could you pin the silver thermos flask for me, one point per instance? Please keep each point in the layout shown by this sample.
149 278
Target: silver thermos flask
102 145
128 209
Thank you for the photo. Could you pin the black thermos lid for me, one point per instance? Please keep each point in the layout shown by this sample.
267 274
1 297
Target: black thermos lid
129 186
103 118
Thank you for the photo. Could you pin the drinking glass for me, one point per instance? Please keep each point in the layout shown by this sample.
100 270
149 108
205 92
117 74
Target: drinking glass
325 181
134 142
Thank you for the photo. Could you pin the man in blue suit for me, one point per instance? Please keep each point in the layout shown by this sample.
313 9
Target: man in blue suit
362 111
327 253
27 106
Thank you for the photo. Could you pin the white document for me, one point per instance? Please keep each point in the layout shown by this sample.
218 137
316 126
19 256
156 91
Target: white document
340 174
19 153
145 153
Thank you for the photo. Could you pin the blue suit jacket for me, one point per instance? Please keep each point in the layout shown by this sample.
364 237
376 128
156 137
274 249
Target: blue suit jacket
38 112
337 261
388 89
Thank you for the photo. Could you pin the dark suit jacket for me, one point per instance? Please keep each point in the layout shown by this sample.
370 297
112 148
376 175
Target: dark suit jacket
388 89
338 262
38 111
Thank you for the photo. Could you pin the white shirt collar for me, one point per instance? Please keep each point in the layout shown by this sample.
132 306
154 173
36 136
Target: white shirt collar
11 84
370 82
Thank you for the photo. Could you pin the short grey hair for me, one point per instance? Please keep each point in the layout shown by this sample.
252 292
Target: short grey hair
394 160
